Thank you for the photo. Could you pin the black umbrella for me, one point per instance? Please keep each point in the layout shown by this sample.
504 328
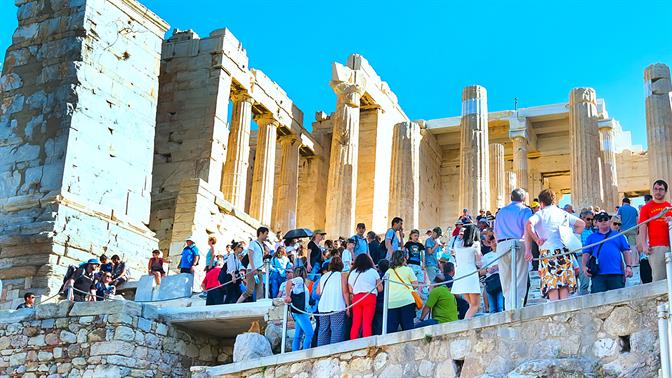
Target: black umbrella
298 233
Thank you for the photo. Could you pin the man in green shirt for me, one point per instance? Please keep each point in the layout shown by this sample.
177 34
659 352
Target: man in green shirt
442 304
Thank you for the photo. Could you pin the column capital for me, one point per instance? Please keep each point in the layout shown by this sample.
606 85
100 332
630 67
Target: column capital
242 96
266 119
288 139
350 92
606 124
582 95
518 134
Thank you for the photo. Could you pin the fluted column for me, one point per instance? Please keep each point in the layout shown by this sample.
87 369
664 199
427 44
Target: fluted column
284 218
497 197
511 183
405 174
659 121
261 200
474 161
520 160
609 173
584 148
234 177
342 181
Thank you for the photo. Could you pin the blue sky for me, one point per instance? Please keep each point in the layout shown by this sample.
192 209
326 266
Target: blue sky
535 51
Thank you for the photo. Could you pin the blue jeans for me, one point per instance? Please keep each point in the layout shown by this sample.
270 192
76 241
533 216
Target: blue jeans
606 282
402 316
276 281
496 302
312 275
303 328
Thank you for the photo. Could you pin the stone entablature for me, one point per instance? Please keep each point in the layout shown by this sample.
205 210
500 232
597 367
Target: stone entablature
607 334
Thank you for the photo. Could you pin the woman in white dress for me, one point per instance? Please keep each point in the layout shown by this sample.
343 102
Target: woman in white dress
468 257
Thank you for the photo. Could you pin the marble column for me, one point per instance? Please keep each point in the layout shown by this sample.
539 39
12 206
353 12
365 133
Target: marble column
497 187
405 174
519 141
511 184
261 200
659 121
288 187
608 155
234 177
342 179
584 149
474 155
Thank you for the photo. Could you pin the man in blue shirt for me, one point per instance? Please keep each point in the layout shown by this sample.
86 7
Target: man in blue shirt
629 216
361 244
189 257
509 231
612 273
394 237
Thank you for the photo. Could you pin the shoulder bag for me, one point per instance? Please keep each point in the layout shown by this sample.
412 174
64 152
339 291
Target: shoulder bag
416 296
568 237
594 262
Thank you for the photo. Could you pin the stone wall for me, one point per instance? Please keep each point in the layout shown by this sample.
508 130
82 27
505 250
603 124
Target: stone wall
431 195
100 339
78 102
612 334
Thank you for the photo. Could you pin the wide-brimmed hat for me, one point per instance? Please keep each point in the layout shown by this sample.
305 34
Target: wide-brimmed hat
319 231
534 204
93 262
191 238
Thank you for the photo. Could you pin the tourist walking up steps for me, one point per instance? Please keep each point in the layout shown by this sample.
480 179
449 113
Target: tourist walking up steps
189 257
233 267
629 216
364 284
556 273
468 258
334 298
394 237
610 256
254 279
509 233
400 304
297 294
654 237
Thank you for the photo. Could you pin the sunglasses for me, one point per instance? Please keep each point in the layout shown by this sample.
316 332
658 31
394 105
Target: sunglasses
601 219
616 224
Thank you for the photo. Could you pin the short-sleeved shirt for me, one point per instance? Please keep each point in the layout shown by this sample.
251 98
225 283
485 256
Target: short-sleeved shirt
433 258
256 254
392 236
443 304
361 245
487 262
212 278
510 221
628 216
657 229
118 269
610 259
188 256
414 250
364 282
400 295
347 258
84 282
546 222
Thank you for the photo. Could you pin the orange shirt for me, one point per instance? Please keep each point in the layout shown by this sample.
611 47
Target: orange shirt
658 232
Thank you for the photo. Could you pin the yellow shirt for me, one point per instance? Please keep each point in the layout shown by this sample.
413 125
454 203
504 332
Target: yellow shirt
400 295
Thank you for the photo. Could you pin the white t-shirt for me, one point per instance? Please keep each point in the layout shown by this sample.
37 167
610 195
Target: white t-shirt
331 298
546 223
346 257
487 259
364 282
256 253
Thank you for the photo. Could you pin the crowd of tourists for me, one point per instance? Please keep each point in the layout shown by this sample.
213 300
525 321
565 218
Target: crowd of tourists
95 279
335 287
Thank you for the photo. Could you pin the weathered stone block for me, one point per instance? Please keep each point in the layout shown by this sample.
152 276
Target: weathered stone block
176 286
112 347
106 307
15 316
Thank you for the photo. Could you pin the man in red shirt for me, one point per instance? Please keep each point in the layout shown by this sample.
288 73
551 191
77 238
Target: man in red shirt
655 232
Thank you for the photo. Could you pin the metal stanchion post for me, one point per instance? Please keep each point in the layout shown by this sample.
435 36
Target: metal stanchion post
267 289
284 329
386 293
663 336
514 278
70 295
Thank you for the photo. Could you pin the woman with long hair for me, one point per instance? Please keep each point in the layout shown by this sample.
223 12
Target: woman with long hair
468 257
233 267
279 264
334 298
364 284
400 304
296 293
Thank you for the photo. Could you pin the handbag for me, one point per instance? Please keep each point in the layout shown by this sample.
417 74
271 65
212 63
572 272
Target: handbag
416 296
568 237
492 284
594 261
